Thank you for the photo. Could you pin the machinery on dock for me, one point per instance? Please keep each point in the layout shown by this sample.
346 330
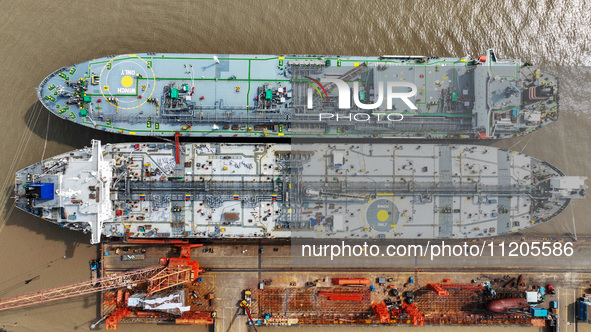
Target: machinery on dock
228 190
172 272
432 304
206 95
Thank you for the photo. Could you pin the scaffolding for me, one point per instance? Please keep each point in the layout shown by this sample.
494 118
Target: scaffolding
463 304
415 315
319 301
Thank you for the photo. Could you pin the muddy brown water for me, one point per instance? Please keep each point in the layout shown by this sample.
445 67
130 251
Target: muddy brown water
37 37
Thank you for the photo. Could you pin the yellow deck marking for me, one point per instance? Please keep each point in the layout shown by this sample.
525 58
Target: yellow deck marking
126 81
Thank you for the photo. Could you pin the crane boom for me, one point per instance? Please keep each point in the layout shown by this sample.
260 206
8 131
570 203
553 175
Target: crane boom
172 272
157 277
111 281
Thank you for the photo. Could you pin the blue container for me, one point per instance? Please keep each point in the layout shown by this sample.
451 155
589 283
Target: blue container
539 312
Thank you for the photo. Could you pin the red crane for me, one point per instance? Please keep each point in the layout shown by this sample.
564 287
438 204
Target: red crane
172 272
177 149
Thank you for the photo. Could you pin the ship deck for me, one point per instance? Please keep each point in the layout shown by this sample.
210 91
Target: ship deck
219 190
272 96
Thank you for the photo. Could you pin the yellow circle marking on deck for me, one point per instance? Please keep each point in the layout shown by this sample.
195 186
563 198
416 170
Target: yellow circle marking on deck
127 81
383 215
153 79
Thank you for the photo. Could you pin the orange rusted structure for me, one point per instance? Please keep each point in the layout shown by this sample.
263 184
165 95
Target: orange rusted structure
307 301
437 288
342 296
194 318
116 316
417 318
350 281
345 298
382 312
172 272
441 289
179 270
329 294
169 277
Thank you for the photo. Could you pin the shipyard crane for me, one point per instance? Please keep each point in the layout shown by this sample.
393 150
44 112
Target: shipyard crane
170 273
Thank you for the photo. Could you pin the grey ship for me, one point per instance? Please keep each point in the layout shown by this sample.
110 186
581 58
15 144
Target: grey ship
223 190
207 95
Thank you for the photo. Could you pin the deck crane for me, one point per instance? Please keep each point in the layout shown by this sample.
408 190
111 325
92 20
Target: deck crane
171 272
